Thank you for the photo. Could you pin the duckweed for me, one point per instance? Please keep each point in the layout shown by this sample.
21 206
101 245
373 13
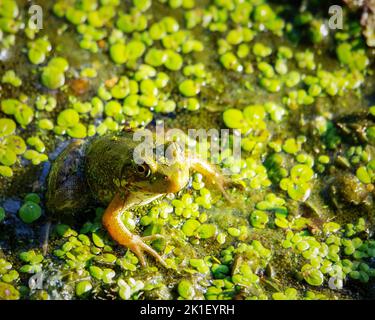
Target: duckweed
206 231
140 65
10 77
38 50
118 53
258 219
312 275
112 108
68 117
37 143
173 61
186 289
45 103
230 62
30 212
189 88
8 157
79 131
10 146
6 171
260 50
83 287
233 118
52 78
291 146
8 292
35 157
22 113
289 294
190 226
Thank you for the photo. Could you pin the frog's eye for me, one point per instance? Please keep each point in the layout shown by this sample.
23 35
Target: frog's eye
144 170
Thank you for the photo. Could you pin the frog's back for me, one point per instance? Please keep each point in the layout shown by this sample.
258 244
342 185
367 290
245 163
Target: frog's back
67 190
90 170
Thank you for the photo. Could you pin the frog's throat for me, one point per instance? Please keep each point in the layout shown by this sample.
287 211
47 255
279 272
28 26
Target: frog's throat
137 198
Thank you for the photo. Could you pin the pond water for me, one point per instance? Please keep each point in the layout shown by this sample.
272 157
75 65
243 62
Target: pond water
300 95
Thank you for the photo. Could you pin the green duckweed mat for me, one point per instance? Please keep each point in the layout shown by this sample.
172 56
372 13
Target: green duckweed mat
298 88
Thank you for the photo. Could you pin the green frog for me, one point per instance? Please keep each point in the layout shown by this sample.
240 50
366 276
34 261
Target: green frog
104 170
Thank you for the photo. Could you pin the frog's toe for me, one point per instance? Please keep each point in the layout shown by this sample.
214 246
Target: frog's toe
138 246
138 252
153 237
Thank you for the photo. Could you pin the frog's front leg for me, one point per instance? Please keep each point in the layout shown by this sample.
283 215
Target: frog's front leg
212 173
117 230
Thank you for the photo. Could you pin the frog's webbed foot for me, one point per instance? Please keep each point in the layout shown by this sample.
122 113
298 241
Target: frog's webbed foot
117 230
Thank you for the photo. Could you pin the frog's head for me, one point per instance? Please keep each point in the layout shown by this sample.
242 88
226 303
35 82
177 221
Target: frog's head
165 174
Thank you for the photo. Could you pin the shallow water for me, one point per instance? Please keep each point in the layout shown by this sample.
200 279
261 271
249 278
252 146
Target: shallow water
229 90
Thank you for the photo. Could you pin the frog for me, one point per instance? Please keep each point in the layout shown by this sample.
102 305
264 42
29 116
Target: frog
104 170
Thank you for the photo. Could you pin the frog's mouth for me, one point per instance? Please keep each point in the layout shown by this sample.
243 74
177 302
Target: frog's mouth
170 180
